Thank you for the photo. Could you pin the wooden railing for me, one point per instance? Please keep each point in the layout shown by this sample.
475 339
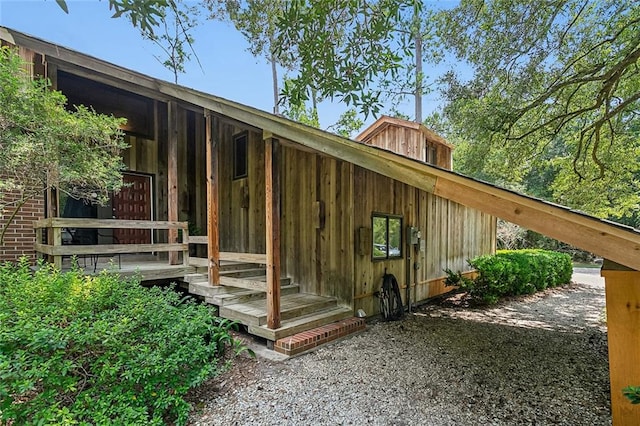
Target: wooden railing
259 258
56 250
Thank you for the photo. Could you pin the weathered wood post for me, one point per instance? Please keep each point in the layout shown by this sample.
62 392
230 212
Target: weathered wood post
172 177
213 166
622 286
272 199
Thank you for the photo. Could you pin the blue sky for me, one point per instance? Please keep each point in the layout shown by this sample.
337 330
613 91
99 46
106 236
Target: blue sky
228 69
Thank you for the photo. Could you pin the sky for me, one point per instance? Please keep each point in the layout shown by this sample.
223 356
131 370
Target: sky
228 69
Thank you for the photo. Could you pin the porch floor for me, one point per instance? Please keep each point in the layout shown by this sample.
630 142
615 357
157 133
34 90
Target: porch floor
147 266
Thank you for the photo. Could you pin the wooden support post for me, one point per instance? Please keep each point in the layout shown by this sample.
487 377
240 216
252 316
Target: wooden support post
52 210
272 198
213 167
172 177
57 242
622 287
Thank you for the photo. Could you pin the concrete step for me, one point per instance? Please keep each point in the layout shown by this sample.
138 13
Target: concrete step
291 306
307 322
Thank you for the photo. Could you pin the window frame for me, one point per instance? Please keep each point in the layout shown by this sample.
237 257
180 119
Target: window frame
387 217
236 142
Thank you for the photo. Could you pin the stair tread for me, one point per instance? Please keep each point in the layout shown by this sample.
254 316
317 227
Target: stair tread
302 323
285 301
305 318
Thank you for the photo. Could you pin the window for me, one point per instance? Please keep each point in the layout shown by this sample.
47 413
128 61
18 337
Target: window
387 236
240 145
432 155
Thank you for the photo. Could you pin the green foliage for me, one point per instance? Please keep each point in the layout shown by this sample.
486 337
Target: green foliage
145 14
174 36
553 99
509 273
44 145
341 47
348 123
632 393
76 349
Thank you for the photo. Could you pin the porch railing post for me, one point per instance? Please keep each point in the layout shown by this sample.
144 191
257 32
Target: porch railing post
272 199
213 166
172 177
622 288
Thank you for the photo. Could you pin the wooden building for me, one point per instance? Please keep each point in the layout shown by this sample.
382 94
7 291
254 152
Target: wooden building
341 222
301 224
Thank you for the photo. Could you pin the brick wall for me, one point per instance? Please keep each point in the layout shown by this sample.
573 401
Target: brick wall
20 237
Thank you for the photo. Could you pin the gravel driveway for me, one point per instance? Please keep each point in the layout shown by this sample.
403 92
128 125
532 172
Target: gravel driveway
539 359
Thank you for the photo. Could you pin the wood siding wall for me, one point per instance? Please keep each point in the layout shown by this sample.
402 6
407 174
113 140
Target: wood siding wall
411 143
317 224
453 233
401 140
242 201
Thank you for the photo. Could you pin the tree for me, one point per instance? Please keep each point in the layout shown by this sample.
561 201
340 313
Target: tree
557 77
43 145
344 49
143 14
175 36
257 21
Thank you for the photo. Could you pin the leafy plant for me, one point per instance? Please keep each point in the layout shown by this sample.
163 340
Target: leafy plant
102 350
632 393
513 272
81 148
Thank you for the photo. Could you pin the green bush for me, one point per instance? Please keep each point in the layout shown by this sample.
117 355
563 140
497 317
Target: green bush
513 272
76 349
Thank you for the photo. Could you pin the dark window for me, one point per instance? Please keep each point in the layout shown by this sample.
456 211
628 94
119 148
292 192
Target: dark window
432 157
240 144
387 236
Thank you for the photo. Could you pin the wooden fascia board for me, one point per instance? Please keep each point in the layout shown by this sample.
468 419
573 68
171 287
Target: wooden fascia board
62 54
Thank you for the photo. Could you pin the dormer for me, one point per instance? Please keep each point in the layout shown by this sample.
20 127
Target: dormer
409 139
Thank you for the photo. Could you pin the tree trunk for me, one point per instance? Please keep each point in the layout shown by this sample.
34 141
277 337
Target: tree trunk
418 92
274 76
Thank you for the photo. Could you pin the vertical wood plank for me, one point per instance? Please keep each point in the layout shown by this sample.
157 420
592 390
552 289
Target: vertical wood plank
213 232
272 218
623 332
172 177
57 242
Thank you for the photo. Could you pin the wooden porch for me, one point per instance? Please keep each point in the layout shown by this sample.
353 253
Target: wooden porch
240 296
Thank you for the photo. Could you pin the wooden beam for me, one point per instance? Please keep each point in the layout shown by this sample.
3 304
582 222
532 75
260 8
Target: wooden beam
63 222
272 199
607 240
213 231
81 249
172 177
622 287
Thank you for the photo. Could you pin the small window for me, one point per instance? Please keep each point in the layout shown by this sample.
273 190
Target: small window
387 236
432 155
240 143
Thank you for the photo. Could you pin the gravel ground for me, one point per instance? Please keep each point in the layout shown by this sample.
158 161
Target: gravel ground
533 360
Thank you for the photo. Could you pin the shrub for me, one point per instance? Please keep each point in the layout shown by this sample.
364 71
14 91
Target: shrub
513 272
76 349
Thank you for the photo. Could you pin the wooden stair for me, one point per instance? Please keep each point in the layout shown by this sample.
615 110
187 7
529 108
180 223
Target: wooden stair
241 297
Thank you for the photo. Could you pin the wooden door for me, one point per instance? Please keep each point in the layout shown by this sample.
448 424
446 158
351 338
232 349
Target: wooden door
133 202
